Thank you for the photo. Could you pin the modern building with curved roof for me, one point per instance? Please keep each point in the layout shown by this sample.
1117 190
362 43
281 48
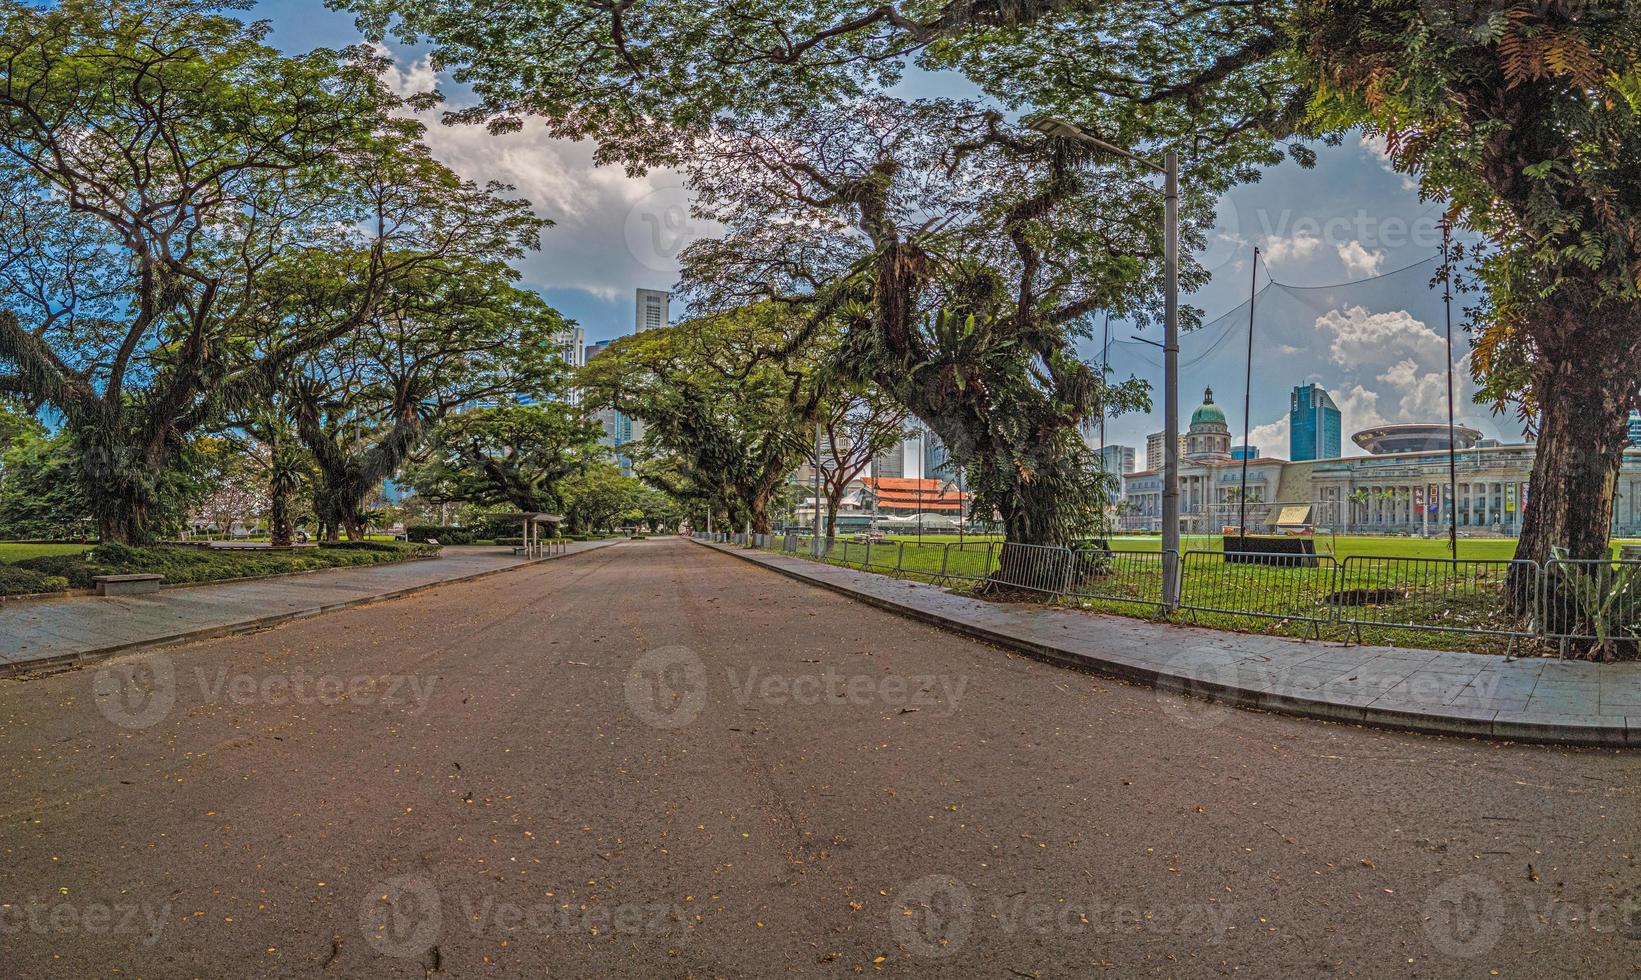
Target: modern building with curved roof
1414 437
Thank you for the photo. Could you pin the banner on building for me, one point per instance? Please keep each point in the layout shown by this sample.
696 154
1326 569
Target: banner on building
1509 498
1434 496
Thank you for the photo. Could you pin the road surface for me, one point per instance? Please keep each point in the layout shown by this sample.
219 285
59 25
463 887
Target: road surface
659 761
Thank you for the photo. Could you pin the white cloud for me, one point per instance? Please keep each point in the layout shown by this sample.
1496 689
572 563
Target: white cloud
611 232
1358 410
412 79
1360 338
1360 262
1302 244
1378 148
1271 438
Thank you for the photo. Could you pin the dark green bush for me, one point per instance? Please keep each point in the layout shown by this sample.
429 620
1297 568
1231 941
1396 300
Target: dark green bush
23 581
187 564
445 535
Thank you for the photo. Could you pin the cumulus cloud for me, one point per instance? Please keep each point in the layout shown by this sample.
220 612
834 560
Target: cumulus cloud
612 233
1302 244
1271 438
1358 409
1357 337
1360 261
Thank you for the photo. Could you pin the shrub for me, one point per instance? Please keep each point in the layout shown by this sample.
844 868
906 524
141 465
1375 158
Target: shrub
444 535
23 581
181 564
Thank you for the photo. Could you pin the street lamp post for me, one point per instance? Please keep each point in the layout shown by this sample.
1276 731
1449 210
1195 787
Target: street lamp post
1169 168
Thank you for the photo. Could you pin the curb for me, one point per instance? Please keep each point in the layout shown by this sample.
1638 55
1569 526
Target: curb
1479 725
69 661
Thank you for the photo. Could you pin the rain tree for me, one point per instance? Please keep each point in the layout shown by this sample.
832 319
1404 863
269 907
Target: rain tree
446 337
511 454
963 258
728 402
161 154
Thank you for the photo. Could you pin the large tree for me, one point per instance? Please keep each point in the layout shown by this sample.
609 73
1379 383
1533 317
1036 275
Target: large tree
1526 119
964 257
511 454
448 337
727 403
163 152
728 89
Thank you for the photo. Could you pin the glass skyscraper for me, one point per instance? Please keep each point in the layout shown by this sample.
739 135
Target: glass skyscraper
1314 427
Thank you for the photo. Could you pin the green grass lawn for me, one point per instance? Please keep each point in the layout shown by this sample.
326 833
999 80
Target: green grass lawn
11 551
1266 599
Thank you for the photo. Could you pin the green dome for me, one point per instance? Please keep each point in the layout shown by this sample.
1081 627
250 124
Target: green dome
1207 412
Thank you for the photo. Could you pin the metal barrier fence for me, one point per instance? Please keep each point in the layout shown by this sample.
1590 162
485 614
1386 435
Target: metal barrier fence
1451 596
966 562
1235 583
1590 599
1033 567
1564 600
1117 576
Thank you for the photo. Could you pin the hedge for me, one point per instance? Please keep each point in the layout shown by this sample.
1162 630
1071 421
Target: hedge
187 564
24 581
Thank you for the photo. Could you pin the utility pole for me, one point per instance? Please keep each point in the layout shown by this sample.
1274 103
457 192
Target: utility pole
1170 384
1452 441
815 521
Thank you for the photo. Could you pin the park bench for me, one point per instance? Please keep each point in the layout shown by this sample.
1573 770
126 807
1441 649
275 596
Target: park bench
128 584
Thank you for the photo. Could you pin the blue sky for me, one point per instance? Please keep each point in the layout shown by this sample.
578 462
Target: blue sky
1377 347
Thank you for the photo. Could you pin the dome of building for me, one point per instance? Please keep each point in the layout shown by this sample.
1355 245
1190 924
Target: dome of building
1207 413
1208 440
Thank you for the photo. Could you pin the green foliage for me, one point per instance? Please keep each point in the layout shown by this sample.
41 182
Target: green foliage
512 454
599 498
444 535
188 564
23 581
726 403
40 495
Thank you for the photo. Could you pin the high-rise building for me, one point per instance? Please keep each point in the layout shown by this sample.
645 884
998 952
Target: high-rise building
1117 460
1153 449
1314 427
572 345
1244 452
1633 426
651 313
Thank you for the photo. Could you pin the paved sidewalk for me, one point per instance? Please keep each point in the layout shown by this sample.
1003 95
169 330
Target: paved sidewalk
52 633
1530 699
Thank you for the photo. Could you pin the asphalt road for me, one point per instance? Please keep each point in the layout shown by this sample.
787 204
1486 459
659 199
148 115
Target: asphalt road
658 761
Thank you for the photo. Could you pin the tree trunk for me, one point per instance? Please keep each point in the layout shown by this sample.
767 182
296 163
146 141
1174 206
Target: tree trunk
758 512
1579 452
120 481
1584 397
834 502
